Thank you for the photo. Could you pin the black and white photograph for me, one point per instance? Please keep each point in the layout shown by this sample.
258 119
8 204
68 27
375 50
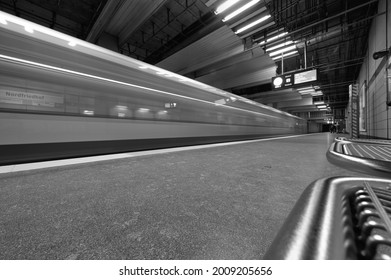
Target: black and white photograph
195 139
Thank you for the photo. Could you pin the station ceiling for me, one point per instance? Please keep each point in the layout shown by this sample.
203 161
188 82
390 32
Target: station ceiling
196 38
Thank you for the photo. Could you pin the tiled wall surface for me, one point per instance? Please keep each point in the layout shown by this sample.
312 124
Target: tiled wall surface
373 77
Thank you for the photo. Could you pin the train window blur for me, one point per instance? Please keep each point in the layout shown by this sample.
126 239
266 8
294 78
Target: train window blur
66 100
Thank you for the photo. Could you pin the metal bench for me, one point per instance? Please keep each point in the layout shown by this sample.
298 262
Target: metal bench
342 217
338 218
368 156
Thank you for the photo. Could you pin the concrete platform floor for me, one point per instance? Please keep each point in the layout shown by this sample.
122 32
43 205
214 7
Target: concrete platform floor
225 202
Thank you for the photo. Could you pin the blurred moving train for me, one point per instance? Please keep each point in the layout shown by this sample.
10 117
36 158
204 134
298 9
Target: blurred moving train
63 97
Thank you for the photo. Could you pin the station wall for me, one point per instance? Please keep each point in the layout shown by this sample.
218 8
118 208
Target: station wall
375 115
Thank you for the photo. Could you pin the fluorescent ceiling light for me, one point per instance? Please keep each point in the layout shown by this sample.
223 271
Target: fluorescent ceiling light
304 88
283 50
277 36
321 106
273 38
280 45
306 93
241 9
225 6
285 55
318 102
252 24
270 33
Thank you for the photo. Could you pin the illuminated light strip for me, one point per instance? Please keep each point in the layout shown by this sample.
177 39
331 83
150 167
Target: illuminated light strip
280 45
285 55
45 66
252 24
282 50
225 6
277 36
319 92
240 10
306 90
273 38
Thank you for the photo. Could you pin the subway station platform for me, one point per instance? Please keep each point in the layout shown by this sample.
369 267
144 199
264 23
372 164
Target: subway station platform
207 202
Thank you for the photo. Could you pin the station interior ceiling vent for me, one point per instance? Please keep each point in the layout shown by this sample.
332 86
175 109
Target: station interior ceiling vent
236 48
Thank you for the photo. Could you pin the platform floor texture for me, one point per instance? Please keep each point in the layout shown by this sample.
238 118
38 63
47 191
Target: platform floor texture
226 202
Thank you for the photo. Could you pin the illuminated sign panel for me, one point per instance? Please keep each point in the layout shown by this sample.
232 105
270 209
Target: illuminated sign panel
306 76
296 78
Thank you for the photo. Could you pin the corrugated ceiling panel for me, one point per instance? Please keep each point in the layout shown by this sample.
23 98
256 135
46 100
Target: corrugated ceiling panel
137 11
277 96
109 11
214 47
256 71
227 62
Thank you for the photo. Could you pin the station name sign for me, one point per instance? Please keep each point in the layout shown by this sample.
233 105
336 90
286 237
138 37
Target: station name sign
295 79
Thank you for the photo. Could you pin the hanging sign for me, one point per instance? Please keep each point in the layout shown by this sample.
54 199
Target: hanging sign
295 79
